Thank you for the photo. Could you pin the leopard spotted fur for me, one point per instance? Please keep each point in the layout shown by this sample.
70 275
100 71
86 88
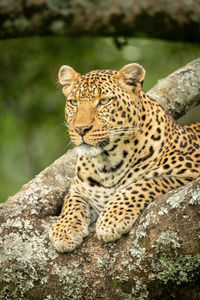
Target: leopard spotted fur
130 152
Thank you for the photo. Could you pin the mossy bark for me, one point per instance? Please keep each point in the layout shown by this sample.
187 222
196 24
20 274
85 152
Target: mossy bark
172 20
159 259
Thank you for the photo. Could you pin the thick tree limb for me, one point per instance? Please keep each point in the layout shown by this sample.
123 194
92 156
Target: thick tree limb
172 20
180 91
159 259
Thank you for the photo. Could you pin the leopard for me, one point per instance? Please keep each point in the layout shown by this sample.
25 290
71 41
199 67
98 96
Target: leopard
130 152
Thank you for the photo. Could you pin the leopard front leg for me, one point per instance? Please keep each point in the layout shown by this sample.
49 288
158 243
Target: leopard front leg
72 224
125 206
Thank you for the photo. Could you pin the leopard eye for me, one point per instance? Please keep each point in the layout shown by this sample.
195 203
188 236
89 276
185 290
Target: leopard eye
73 102
104 101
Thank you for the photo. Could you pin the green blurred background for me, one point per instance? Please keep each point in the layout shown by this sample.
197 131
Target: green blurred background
32 131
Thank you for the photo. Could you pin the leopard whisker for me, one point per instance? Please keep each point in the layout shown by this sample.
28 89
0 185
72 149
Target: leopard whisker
69 144
123 128
65 124
124 132
116 131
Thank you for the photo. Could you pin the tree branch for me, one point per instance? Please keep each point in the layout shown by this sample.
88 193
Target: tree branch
180 91
169 20
158 259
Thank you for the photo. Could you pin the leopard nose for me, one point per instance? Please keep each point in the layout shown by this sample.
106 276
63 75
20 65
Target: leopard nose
82 130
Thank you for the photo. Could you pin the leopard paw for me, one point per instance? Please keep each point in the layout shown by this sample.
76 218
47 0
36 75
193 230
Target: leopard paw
66 238
111 229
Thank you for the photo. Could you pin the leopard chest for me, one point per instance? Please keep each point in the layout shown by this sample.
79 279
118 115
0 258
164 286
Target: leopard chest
98 179
95 182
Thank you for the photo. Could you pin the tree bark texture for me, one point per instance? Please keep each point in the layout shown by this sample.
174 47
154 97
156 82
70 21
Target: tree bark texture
172 20
159 259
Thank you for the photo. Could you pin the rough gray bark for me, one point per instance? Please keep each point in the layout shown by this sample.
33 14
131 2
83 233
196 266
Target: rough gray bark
159 259
180 91
172 20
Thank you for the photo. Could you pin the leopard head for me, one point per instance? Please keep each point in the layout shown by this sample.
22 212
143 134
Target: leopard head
101 105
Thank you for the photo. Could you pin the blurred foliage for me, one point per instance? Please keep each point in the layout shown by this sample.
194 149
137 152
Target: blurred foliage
32 106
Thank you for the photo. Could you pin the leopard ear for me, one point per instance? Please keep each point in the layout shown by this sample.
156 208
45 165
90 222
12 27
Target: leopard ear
132 74
67 75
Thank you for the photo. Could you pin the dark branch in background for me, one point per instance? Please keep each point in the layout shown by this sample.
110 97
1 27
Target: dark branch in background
171 20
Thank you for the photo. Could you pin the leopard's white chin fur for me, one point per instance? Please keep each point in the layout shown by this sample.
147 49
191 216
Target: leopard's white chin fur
88 150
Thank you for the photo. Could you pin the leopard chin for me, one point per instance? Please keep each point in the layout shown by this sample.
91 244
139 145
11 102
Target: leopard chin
88 150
